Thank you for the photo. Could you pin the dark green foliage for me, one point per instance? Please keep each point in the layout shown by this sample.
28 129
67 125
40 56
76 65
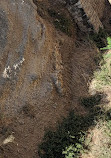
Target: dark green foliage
108 115
53 14
108 44
99 38
71 132
92 100
61 22
70 151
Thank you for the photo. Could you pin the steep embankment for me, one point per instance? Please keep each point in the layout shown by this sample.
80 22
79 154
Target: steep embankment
33 81
43 74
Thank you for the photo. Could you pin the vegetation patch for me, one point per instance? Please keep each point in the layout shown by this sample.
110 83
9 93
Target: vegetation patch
108 44
61 22
99 38
103 74
102 77
91 100
74 136
108 123
68 140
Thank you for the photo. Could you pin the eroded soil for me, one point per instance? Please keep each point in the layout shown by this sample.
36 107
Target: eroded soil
65 65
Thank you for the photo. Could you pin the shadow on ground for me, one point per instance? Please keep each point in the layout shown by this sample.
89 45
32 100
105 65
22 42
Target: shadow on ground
68 140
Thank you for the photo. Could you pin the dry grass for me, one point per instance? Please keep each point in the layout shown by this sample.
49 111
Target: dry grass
100 144
100 137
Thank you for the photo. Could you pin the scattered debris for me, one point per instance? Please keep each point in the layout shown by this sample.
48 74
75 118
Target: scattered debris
10 139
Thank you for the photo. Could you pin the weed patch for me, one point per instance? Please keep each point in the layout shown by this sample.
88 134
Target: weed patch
103 74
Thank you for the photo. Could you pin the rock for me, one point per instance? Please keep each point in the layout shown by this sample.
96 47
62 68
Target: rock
10 139
110 1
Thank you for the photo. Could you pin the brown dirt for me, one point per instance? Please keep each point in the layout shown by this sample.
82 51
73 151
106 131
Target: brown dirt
28 126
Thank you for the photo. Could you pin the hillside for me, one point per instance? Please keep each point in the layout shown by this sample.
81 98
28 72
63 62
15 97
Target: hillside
49 59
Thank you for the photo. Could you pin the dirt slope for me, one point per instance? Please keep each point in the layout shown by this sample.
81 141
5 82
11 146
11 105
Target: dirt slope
43 72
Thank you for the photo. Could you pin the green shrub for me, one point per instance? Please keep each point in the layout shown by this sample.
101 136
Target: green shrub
73 151
99 38
91 100
109 44
69 151
68 139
